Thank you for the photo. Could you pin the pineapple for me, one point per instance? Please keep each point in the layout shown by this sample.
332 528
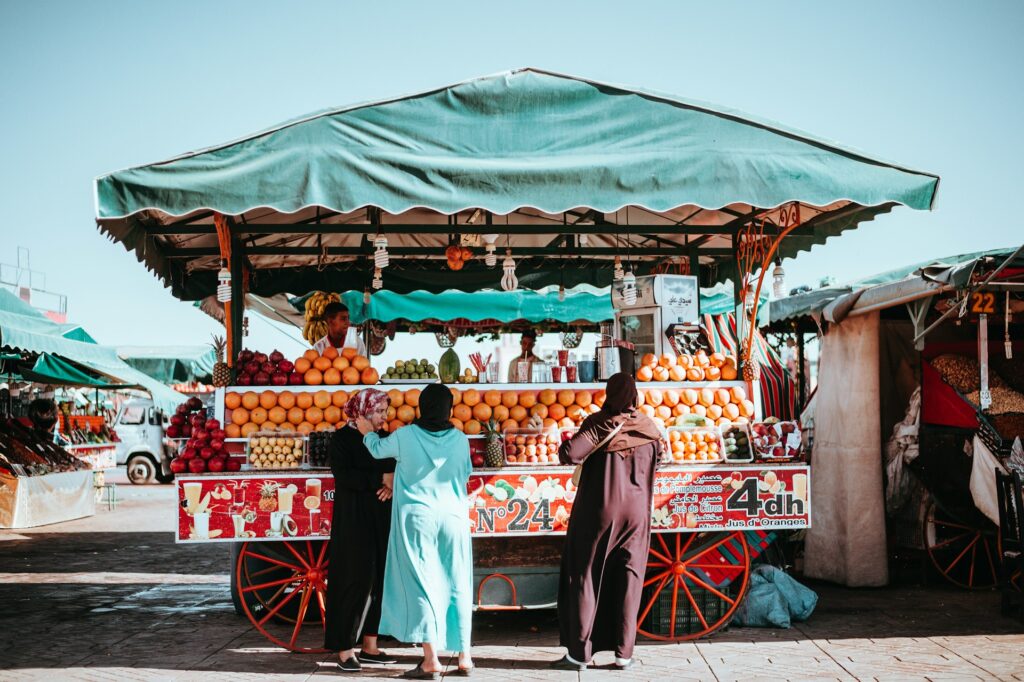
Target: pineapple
494 455
751 367
268 496
221 371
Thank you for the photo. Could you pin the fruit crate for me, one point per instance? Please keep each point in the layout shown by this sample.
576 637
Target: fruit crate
744 453
659 620
690 434
539 447
256 447
999 446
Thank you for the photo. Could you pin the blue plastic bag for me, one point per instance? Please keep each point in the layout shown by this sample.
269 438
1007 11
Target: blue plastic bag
774 599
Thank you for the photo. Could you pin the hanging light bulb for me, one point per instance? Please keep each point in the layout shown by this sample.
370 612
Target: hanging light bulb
366 297
509 282
584 239
778 280
380 254
224 285
618 272
491 259
378 281
561 293
629 288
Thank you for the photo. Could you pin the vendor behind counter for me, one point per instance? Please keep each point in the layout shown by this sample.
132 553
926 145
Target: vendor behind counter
526 342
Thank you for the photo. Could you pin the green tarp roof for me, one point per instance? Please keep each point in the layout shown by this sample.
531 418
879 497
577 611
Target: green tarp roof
171 364
37 334
50 369
540 145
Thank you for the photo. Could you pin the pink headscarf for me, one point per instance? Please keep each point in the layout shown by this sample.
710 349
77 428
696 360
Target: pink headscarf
365 403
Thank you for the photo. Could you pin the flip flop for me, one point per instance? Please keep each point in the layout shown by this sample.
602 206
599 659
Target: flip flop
418 673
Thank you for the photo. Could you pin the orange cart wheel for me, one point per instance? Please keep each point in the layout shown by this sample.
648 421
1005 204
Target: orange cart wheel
283 591
964 553
695 582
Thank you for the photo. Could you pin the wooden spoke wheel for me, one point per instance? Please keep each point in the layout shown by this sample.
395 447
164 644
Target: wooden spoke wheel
694 583
283 590
964 552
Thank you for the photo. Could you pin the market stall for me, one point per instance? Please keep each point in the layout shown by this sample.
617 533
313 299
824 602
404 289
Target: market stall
583 183
933 338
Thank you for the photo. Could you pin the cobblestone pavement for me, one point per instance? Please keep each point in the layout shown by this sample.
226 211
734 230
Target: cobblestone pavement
112 598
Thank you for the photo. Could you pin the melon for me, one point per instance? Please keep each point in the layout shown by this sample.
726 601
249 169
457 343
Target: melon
449 367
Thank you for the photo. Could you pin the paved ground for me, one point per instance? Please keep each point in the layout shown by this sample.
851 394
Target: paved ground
112 598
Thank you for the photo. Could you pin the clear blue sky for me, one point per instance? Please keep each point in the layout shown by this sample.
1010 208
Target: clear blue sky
91 87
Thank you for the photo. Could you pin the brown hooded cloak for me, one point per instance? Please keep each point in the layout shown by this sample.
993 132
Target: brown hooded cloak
605 555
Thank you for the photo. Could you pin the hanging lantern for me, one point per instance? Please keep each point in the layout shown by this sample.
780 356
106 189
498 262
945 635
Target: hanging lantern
618 273
491 259
380 254
629 288
378 281
778 280
366 297
509 282
224 285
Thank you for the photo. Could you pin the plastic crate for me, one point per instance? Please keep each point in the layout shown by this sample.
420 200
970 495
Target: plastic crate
999 446
659 620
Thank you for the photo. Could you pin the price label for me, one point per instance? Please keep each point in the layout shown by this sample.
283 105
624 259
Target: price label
983 303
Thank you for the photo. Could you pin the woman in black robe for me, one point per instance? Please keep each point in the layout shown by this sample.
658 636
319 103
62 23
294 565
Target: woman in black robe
360 527
605 555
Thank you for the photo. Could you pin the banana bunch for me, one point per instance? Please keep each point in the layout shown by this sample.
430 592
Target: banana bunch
316 326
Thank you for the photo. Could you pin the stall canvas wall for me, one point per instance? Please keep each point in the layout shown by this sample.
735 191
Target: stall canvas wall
847 542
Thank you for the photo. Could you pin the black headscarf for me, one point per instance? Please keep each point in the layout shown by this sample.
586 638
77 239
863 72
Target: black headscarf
620 407
435 408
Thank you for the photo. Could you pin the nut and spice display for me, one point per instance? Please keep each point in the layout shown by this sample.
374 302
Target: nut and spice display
26 452
1004 400
962 373
273 450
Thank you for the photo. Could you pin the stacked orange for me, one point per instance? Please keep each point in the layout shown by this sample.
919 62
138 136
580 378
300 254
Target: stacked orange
697 367
333 368
302 411
306 411
697 445
723 406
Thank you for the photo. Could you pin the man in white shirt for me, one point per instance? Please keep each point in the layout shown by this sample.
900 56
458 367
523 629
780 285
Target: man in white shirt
526 344
340 332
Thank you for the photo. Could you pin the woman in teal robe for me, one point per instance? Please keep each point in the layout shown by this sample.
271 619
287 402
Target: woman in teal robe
428 581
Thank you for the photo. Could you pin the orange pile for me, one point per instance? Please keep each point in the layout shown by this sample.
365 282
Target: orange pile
698 445
698 367
334 368
722 405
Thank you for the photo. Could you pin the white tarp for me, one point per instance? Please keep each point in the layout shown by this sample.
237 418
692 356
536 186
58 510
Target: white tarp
30 501
846 544
983 480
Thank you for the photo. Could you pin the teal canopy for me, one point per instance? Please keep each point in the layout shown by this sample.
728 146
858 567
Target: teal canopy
544 156
33 333
50 369
585 306
171 364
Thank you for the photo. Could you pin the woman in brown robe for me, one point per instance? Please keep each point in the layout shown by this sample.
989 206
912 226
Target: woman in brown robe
605 556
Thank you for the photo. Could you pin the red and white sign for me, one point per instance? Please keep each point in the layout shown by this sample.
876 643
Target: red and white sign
538 502
254 508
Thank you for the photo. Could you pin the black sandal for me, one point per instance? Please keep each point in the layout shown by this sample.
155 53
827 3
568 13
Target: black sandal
418 673
465 672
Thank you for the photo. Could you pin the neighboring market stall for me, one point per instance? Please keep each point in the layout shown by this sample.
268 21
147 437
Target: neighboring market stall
927 341
171 364
582 183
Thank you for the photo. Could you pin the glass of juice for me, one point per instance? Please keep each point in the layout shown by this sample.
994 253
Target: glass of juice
556 374
570 373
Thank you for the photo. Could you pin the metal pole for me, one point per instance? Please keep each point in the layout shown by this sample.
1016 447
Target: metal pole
237 267
801 369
